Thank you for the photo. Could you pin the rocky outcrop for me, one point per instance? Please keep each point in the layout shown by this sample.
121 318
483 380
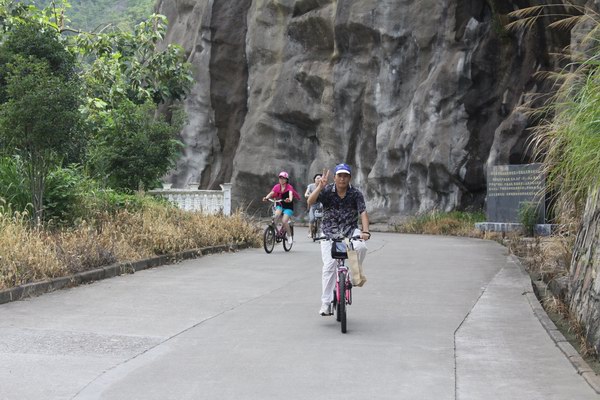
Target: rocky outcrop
419 97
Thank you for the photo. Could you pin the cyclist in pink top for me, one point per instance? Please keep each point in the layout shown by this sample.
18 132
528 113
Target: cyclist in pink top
285 192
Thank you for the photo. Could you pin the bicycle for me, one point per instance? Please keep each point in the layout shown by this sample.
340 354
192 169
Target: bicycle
275 232
342 293
316 226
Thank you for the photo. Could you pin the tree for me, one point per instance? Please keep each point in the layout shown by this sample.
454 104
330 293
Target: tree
40 116
133 149
130 65
127 77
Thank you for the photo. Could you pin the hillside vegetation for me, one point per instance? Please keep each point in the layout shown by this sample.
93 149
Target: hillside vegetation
81 139
94 15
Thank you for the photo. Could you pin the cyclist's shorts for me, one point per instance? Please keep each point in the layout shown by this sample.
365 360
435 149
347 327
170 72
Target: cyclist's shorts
286 211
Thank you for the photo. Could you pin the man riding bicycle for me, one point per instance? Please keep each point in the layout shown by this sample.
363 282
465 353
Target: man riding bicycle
342 205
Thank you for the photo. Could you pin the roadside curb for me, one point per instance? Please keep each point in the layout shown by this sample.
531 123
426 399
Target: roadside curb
580 365
38 288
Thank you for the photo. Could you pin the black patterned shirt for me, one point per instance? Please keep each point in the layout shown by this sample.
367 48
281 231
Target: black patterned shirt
340 216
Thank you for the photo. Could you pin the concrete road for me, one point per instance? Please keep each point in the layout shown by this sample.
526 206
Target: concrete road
439 318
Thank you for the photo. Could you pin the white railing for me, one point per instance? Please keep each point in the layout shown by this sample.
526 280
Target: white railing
207 201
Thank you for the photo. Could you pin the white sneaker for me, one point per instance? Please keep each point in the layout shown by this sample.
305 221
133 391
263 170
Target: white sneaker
290 240
325 310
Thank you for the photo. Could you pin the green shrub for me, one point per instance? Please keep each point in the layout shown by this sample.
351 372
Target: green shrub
528 216
14 188
134 149
71 197
63 194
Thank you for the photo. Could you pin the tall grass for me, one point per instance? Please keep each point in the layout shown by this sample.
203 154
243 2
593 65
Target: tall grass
567 139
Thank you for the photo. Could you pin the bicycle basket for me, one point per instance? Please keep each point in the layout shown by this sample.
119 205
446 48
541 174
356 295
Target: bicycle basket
339 250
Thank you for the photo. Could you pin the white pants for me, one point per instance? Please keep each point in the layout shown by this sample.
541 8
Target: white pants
329 265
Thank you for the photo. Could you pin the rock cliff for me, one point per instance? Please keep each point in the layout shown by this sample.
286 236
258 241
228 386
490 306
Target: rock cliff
418 96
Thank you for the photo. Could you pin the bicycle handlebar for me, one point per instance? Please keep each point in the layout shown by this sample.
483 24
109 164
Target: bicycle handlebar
275 201
357 237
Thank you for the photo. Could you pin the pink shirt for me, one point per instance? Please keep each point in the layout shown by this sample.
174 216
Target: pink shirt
277 190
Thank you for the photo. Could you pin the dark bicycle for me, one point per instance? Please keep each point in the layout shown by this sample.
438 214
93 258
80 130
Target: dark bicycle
316 226
275 232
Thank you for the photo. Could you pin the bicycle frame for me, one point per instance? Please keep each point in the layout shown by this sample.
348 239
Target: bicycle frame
277 222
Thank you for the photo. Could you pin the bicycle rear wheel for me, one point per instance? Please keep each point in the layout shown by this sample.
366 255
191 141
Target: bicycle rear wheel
316 229
342 302
269 239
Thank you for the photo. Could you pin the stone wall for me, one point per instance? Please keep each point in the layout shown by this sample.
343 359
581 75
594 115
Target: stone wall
584 285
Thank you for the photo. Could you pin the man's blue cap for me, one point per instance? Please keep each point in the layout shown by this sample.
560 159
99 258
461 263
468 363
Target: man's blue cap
343 169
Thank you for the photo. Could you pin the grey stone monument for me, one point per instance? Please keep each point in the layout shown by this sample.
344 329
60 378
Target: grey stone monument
509 189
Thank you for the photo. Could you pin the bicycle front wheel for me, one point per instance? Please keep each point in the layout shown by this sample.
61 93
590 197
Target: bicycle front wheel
342 302
287 246
269 239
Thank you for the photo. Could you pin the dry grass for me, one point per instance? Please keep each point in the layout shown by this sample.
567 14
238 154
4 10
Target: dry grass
30 255
554 305
25 254
546 259
443 223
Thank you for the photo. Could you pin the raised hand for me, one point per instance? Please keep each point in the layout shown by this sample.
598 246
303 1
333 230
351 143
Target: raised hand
323 182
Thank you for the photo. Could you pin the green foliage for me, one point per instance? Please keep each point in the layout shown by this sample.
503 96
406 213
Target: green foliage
71 96
14 188
528 216
41 113
63 197
96 15
39 116
72 197
12 13
133 150
567 138
31 41
109 201
130 66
